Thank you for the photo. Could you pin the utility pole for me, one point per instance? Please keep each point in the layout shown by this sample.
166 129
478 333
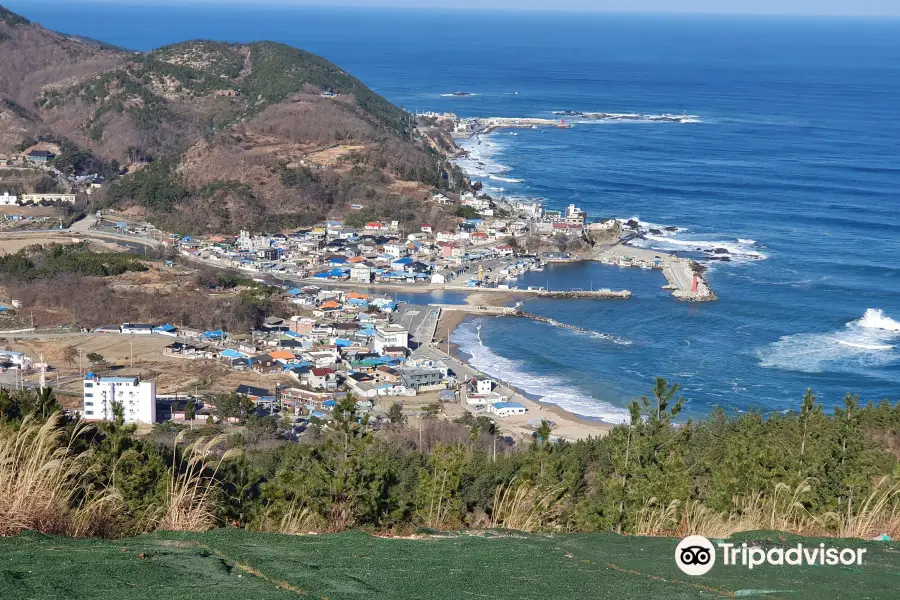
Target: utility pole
43 374
132 351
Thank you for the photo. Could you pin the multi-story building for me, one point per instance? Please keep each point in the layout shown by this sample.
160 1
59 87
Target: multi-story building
138 399
390 336
575 216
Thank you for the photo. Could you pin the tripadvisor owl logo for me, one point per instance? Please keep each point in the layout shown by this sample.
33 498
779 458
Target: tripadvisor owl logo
695 555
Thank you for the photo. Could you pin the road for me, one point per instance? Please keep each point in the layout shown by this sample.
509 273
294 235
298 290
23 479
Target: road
462 370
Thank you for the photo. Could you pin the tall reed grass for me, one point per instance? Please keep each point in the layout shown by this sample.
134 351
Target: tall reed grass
191 494
43 482
523 506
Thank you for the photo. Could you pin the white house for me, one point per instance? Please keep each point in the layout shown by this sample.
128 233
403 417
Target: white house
137 328
138 399
390 336
395 250
323 378
17 359
506 409
483 386
8 199
361 273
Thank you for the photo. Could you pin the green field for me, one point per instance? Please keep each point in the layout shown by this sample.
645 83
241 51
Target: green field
233 564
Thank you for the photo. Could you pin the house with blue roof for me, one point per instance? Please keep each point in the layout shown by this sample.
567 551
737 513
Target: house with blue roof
400 263
167 329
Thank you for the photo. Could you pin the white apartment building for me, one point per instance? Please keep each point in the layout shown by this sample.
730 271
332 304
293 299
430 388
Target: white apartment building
8 199
138 399
38 198
390 336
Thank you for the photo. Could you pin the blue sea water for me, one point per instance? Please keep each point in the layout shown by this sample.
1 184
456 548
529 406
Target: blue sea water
794 167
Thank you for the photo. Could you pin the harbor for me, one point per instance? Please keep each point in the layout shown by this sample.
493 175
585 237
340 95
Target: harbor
683 279
478 126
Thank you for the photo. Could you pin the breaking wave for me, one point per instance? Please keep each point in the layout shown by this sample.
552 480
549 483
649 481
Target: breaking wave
866 343
673 239
549 389
604 117
505 179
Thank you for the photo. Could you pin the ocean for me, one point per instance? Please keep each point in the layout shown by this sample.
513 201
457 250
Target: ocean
792 168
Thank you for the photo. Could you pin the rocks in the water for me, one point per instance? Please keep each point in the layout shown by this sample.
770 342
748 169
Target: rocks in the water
721 251
671 228
656 232
632 224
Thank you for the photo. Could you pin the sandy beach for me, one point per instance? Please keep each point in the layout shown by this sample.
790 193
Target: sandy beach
565 424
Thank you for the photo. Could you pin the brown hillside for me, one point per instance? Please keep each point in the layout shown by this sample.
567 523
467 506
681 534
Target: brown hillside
254 136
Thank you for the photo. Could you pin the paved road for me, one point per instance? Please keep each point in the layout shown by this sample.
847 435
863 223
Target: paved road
463 371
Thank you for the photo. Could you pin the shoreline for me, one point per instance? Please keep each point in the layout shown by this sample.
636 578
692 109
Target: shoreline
568 425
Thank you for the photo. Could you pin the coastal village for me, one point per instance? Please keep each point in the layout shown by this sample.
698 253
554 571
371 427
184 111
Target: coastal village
348 334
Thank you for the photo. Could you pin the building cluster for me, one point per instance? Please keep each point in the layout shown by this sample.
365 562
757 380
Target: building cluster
42 159
344 343
379 253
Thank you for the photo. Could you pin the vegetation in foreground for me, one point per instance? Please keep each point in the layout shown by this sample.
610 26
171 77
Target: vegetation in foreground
806 472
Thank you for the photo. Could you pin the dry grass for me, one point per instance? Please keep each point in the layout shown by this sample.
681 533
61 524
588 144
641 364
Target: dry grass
879 513
657 519
782 509
191 491
298 519
523 507
41 482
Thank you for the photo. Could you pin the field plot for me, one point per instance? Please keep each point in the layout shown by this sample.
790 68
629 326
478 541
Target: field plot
234 564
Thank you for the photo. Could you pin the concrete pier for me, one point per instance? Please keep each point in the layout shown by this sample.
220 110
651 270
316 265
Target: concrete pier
679 273
477 126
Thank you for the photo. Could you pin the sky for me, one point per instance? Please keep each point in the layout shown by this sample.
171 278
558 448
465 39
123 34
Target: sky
861 8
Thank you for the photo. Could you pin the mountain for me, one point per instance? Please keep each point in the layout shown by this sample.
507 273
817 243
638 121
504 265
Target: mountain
218 136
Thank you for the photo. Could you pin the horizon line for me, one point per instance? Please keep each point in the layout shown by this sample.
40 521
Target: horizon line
361 4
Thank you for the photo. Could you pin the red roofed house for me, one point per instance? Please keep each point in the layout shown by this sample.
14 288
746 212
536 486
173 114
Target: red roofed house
504 250
450 250
375 226
323 378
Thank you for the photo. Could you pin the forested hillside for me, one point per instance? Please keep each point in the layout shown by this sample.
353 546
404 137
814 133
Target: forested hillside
218 136
808 472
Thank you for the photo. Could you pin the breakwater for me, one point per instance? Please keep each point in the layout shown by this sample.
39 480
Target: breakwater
611 294
554 322
684 282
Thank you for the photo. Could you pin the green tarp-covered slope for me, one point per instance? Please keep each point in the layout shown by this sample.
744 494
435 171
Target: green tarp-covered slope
233 564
